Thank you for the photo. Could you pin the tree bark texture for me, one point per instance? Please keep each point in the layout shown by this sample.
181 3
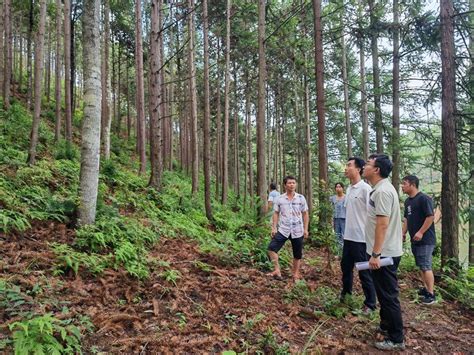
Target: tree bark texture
262 77
38 76
449 169
140 96
90 146
67 70
155 100
225 145
193 102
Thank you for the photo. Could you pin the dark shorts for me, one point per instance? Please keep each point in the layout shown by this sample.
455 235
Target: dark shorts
279 240
423 256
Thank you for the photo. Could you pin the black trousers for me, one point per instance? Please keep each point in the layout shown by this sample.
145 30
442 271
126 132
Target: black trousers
386 286
354 252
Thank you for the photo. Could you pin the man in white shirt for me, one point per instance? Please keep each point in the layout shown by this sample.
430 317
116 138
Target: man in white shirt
383 235
354 248
290 214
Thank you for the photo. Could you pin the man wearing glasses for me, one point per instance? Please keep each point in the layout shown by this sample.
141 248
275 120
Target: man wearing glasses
383 234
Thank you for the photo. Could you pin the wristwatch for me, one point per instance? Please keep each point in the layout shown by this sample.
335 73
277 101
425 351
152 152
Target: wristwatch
376 255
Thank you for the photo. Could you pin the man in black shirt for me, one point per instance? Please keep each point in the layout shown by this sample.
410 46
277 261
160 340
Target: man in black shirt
419 217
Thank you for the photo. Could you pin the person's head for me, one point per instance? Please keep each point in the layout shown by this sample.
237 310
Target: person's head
290 183
339 187
273 186
354 168
410 184
377 167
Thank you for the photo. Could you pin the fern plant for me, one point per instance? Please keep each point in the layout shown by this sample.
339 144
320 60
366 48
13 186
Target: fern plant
45 335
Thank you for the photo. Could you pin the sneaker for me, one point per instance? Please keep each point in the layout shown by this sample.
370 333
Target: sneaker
422 291
389 345
366 310
429 298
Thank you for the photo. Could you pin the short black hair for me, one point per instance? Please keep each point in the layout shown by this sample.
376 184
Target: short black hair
288 177
339 183
384 164
273 186
359 163
412 180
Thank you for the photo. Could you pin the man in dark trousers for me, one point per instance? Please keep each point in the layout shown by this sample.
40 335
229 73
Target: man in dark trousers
383 234
419 218
354 248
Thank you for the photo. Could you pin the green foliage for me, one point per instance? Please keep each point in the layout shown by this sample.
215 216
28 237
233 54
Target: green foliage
45 335
171 275
64 150
269 344
11 298
126 238
324 300
459 288
12 220
69 259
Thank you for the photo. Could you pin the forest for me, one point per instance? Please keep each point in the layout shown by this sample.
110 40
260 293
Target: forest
138 141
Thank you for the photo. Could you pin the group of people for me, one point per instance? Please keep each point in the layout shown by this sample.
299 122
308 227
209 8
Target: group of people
369 227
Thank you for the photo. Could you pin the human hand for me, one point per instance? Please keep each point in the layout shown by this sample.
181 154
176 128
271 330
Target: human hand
418 236
305 234
274 231
374 263
404 237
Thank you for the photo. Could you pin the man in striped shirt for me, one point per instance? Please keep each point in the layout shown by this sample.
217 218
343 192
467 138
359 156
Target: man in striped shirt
290 214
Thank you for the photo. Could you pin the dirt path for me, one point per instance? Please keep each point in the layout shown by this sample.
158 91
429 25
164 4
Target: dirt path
193 303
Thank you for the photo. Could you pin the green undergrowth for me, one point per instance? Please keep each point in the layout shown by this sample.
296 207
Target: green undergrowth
37 332
131 216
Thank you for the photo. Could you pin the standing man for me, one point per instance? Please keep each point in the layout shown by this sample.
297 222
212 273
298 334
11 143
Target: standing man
290 210
274 193
383 234
419 218
354 248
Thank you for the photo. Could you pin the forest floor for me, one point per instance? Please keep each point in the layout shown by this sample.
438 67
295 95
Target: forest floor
194 303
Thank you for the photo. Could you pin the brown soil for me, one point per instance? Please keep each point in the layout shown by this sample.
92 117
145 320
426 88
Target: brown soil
210 310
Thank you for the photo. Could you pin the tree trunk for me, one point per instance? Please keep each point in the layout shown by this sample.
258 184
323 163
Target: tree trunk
471 144
48 68
38 75
449 187
7 22
90 147
73 58
262 77
119 83
396 99
29 64
320 108
57 72
67 70
248 130
207 139
225 146
376 77
236 139
20 74
155 100
129 119
193 102
219 158
363 90
140 99
307 148
106 114
346 92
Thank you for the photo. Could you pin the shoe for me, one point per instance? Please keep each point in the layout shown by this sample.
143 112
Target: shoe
422 291
381 331
389 345
429 298
366 310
